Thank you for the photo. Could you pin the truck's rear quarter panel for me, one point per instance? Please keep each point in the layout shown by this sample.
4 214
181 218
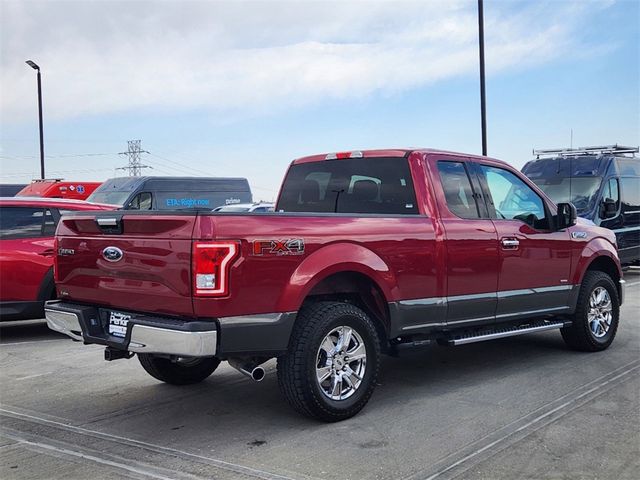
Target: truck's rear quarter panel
270 283
155 273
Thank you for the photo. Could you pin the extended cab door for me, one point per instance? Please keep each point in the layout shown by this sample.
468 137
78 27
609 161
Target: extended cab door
535 261
472 256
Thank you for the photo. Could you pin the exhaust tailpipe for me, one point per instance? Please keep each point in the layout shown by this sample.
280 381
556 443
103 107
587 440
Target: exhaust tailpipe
250 369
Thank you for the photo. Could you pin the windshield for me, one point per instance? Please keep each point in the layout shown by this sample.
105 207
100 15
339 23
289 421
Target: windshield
112 198
581 191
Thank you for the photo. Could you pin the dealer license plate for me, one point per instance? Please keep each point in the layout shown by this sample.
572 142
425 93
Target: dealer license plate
118 323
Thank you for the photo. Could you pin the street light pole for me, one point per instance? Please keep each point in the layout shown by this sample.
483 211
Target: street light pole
37 68
483 102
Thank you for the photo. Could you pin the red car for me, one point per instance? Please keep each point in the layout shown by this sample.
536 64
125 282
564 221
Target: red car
366 253
27 227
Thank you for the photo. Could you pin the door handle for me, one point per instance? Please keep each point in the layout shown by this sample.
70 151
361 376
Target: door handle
510 243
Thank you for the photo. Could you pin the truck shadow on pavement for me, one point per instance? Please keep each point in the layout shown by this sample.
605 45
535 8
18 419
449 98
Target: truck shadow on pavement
27 331
228 400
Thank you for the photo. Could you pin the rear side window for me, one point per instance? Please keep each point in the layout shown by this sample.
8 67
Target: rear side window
356 185
25 222
457 189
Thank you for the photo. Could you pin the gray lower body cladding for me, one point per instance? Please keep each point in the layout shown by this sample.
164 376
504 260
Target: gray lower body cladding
427 315
261 334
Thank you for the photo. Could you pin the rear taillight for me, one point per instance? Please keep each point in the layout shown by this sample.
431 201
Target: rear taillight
211 265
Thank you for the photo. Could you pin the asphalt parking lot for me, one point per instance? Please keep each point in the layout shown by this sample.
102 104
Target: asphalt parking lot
521 407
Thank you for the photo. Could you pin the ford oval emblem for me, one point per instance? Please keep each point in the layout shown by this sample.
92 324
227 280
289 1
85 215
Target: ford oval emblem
112 254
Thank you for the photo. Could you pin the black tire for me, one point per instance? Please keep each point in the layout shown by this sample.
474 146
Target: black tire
579 335
297 369
181 372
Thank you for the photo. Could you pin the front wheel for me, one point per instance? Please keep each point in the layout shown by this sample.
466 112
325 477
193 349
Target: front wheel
595 322
330 370
180 371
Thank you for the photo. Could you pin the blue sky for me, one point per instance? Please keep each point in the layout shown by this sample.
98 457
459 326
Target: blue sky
241 88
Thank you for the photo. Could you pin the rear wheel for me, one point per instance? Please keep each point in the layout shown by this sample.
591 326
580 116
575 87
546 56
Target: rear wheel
595 322
331 368
182 371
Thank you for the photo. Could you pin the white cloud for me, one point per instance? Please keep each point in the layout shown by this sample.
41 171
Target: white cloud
244 58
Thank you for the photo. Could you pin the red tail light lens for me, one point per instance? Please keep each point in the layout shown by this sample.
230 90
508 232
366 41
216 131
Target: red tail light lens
211 265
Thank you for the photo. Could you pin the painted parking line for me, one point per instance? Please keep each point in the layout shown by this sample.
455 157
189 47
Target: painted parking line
35 375
121 465
32 342
242 470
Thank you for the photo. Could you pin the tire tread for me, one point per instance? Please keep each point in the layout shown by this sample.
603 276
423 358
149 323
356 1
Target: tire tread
577 336
294 384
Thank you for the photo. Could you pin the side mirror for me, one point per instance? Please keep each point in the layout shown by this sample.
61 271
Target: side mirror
608 208
567 216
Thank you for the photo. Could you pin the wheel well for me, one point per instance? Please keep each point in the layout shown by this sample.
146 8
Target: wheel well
608 266
360 290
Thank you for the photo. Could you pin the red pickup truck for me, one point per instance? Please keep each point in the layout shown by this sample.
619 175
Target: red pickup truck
367 253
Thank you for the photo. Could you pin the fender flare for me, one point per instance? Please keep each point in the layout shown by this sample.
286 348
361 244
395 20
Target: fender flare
595 249
332 259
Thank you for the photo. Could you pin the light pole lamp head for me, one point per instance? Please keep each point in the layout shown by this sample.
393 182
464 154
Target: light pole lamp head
32 65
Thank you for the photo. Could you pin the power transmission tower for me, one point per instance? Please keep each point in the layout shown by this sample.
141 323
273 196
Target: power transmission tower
135 166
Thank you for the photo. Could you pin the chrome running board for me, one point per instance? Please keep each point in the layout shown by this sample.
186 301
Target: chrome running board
492 334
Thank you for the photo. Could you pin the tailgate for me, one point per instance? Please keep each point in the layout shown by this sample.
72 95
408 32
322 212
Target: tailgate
136 261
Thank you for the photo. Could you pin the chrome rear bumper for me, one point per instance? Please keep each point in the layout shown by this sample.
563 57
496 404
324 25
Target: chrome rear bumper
145 339
145 334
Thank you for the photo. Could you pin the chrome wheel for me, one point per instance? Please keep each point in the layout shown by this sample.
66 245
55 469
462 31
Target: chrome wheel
340 363
600 312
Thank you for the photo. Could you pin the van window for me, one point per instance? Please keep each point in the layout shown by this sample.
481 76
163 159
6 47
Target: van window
630 187
457 189
611 190
142 201
110 197
355 185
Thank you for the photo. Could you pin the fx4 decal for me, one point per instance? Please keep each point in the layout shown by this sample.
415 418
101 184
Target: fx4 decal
291 246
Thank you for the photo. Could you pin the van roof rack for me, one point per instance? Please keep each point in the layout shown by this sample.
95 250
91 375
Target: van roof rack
572 152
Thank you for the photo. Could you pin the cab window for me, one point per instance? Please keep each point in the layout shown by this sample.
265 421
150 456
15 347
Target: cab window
512 199
457 189
25 222
354 185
